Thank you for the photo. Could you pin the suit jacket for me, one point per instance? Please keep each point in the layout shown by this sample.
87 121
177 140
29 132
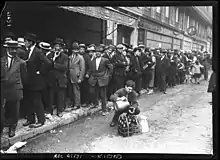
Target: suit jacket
119 63
162 66
11 78
22 53
76 68
58 74
87 60
35 79
101 76
145 60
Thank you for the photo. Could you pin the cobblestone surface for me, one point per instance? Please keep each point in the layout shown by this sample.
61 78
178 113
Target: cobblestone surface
180 122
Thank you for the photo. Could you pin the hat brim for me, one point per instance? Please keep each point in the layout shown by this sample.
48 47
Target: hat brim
10 46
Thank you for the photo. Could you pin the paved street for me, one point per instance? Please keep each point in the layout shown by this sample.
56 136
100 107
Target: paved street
180 122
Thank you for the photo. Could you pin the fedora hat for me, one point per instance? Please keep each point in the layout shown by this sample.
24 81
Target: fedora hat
58 41
31 37
11 44
45 46
21 41
136 48
9 35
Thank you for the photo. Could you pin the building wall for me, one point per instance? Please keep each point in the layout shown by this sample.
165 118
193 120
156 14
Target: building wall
174 18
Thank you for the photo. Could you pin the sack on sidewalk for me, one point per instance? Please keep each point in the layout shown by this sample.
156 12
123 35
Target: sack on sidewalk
143 123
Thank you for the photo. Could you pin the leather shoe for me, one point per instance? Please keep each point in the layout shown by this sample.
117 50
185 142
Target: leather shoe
37 125
112 124
28 123
60 114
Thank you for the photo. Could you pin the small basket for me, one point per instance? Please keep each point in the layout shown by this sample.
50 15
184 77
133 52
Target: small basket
127 131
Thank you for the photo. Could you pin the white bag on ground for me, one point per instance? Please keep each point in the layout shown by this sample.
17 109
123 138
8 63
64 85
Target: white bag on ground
144 123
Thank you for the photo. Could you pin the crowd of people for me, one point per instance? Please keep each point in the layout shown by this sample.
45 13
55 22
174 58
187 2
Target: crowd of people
38 76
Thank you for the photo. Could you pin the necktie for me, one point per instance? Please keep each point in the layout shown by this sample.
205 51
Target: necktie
138 65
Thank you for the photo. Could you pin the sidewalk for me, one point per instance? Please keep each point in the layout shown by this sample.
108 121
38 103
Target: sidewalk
25 133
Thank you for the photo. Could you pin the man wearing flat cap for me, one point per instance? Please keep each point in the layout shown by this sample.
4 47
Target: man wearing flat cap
100 73
161 70
76 68
11 83
136 69
57 77
120 63
109 55
82 49
35 82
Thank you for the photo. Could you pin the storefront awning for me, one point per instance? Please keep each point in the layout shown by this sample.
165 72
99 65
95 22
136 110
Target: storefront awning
105 14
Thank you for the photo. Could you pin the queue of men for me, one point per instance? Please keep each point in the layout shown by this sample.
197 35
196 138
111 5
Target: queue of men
38 76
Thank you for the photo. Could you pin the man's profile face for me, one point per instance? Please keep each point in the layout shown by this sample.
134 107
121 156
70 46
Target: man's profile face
128 89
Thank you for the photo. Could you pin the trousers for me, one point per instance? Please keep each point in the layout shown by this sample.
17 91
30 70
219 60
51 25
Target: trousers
35 105
100 92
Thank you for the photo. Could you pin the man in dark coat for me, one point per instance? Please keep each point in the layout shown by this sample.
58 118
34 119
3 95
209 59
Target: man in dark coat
136 68
45 49
86 96
126 93
58 76
162 65
120 64
35 82
100 73
109 55
12 67
172 70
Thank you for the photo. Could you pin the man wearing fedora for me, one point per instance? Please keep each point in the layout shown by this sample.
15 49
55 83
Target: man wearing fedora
57 77
35 82
11 66
137 69
76 69
99 73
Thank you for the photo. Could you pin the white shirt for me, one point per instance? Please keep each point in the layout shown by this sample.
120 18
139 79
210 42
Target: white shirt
31 50
9 60
98 60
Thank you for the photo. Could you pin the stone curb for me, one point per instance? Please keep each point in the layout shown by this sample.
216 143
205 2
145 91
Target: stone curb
30 133
70 118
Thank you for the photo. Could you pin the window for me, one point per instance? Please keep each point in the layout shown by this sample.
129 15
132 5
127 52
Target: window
187 22
158 9
177 14
167 11
172 15
197 26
